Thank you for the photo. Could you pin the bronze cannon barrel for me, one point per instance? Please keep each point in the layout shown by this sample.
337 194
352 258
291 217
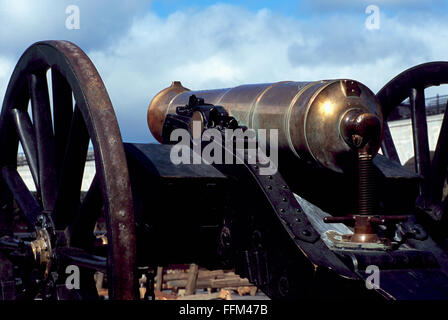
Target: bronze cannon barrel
312 118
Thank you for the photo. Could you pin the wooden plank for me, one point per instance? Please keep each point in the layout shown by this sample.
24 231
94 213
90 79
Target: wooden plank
190 286
202 274
159 278
164 295
99 279
221 295
211 283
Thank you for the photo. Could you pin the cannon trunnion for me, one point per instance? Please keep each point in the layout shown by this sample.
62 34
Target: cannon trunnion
320 218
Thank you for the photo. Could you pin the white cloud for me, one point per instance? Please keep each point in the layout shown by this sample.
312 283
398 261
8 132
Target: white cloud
6 68
27 21
224 45
330 6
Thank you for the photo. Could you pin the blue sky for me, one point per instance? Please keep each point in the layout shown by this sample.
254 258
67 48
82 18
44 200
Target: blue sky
139 47
290 8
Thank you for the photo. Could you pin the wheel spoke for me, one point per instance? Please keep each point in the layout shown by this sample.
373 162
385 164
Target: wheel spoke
24 199
61 143
8 243
388 146
444 206
81 229
420 137
6 208
439 162
62 114
40 104
81 259
70 182
25 131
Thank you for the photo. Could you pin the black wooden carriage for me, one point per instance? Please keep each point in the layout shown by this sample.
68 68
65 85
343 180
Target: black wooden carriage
219 216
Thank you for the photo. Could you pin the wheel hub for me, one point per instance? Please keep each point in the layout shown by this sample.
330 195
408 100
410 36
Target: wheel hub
42 250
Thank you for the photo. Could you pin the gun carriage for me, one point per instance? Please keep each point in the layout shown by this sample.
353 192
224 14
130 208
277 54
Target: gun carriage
310 224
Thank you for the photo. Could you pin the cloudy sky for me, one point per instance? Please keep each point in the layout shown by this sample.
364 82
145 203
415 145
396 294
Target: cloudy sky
139 46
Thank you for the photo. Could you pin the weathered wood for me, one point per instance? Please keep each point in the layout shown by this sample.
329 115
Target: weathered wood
142 291
253 291
164 295
211 283
201 275
99 279
223 294
159 278
242 291
190 286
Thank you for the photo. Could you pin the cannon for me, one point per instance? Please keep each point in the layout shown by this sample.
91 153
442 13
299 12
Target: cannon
281 181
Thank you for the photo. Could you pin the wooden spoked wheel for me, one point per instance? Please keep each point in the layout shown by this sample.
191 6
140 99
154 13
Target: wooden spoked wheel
55 129
411 84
